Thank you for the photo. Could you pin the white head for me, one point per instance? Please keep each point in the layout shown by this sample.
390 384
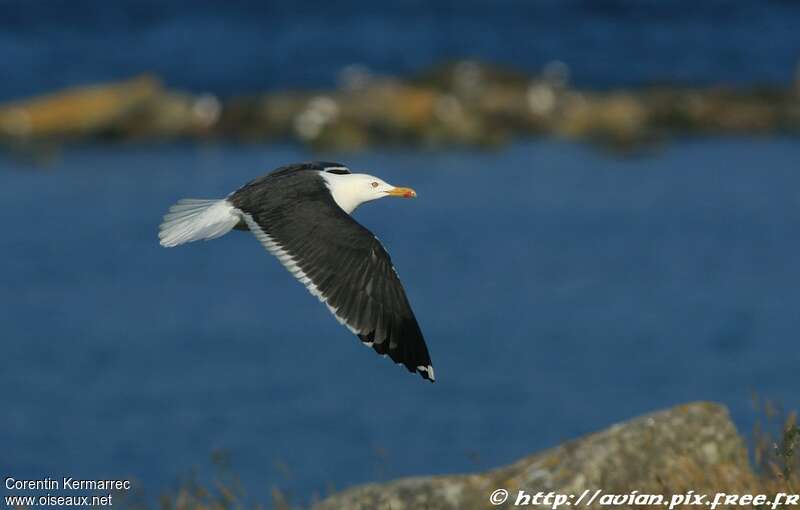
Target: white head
351 190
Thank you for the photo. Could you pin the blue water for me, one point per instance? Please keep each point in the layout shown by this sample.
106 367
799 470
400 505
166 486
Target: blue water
240 46
560 290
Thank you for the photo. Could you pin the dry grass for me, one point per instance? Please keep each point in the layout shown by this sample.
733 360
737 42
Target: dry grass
224 491
775 459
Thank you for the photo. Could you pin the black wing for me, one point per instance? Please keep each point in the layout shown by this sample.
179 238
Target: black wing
339 261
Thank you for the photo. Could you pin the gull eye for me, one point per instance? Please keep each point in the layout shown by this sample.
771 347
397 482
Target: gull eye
374 184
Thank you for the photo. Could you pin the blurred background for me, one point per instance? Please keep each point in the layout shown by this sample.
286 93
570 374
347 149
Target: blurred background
607 225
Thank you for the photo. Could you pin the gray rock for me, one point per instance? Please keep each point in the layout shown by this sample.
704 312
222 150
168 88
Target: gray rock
642 454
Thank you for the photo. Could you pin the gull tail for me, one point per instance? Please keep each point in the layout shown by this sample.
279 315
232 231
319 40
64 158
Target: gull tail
193 219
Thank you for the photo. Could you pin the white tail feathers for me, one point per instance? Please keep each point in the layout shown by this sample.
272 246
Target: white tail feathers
193 219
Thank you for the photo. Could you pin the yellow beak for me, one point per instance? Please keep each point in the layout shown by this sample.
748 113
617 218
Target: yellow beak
403 192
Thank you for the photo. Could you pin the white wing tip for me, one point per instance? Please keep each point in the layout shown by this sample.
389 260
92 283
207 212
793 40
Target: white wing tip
423 370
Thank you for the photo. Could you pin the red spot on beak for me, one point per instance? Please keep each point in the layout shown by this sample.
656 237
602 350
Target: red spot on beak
403 192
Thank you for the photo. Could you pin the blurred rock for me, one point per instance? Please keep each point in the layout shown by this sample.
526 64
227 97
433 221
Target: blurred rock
77 112
259 118
618 118
170 115
461 103
391 107
342 137
316 115
387 112
469 76
694 444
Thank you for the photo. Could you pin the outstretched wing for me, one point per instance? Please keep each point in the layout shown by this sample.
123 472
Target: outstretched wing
344 266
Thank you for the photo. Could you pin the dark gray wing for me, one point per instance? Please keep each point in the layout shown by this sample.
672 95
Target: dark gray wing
339 261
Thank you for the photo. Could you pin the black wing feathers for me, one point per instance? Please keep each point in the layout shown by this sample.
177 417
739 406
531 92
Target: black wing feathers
341 262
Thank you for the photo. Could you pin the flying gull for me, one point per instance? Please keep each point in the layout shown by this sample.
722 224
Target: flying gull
301 214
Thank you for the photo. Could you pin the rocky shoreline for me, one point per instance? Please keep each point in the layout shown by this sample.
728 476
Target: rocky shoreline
693 447
465 103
